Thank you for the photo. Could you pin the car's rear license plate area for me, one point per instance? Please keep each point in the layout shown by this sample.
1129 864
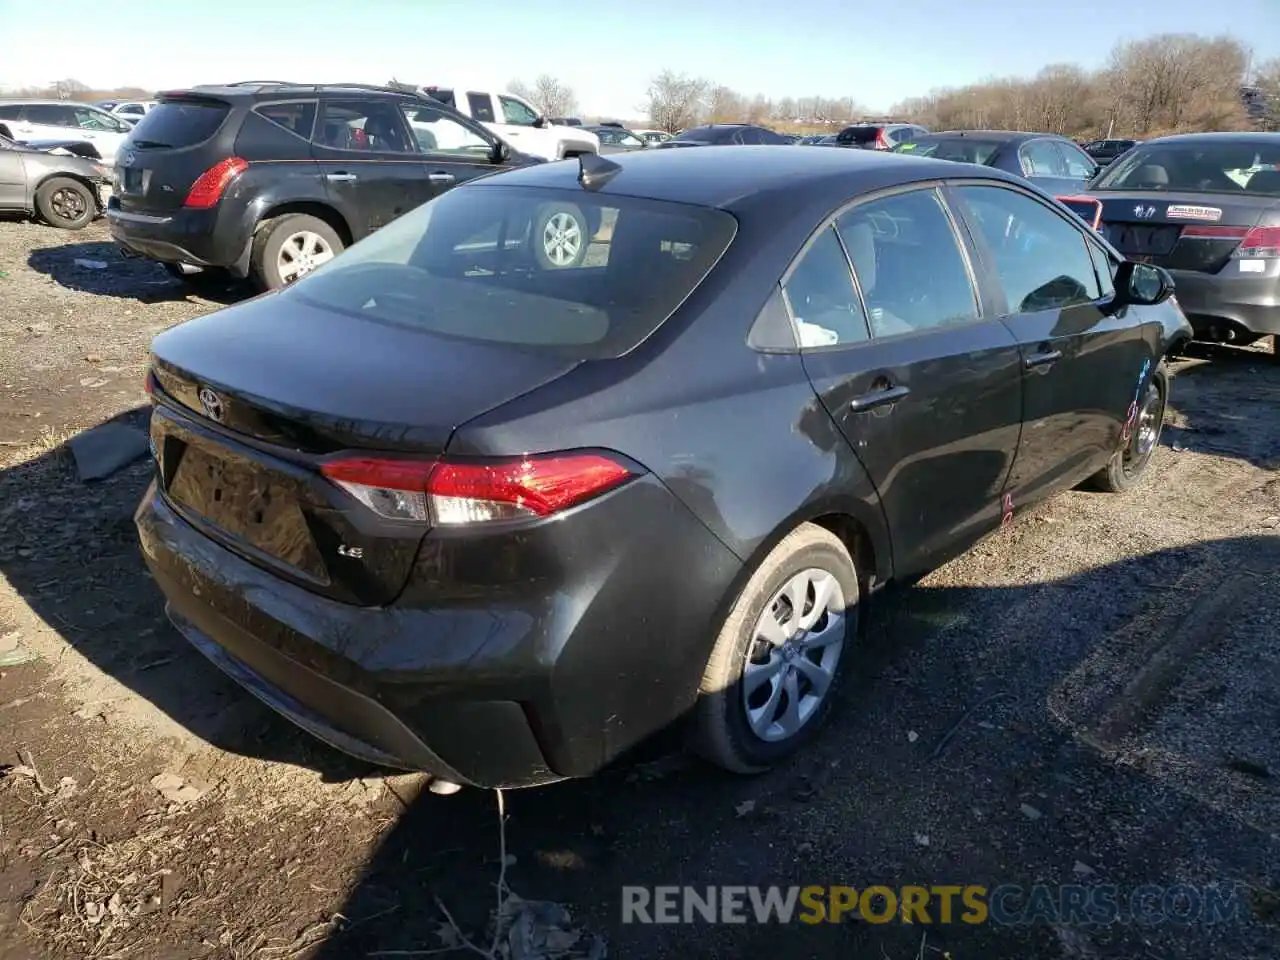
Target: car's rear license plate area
242 500
1143 239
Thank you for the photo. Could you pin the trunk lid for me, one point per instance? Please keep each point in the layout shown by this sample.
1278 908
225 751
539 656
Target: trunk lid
167 151
1152 226
251 400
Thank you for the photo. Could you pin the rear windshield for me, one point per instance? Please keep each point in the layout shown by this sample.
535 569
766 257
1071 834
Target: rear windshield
179 123
696 133
577 274
858 134
1248 169
959 149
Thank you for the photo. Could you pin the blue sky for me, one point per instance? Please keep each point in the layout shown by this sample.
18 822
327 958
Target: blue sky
877 54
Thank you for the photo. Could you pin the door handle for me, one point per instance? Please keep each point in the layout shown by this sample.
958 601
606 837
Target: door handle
441 177
341 177
1042 359
878 398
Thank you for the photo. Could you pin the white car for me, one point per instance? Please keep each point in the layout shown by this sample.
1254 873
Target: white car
133 110
517 122
23 120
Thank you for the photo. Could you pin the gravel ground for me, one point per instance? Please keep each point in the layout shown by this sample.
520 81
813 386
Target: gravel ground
1090 697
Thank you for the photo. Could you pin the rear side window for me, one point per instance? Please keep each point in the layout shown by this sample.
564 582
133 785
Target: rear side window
956 149
50 114
822 297
858 135
575 274
1040 159
1078 163
180 123
481 105
909 264
298 117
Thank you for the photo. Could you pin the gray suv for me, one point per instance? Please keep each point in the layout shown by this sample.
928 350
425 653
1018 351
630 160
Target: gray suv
878 136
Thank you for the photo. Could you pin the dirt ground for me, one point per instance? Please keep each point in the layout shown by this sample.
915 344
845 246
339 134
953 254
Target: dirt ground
1091 697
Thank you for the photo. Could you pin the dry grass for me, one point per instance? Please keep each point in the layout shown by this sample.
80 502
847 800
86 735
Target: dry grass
49 440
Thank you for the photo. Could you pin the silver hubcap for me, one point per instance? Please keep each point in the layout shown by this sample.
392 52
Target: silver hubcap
1146 427
793 655
302 253
562 239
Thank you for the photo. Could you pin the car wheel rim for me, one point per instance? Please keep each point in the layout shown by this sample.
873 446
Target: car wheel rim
562 239
67 204
793 655
1146 431
302 253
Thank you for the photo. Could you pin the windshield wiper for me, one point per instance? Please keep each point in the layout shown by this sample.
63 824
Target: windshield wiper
145 144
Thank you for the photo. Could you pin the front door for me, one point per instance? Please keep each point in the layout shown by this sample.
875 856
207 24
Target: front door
924 385
452 150
369 162
1080 359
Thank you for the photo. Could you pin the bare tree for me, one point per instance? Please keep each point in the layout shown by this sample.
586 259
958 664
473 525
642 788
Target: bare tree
1179 81
552 97
675 101
724 105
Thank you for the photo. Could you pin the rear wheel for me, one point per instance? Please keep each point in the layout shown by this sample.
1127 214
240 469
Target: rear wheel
65 203
561 236
1142 435
769 682
289 247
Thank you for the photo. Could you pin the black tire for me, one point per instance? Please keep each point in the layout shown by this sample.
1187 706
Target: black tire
561 236
721 732
66 204
4 131
271 237
1129 465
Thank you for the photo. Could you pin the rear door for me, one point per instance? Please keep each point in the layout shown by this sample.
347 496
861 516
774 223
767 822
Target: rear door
1080 360
923 382
452 150
369 161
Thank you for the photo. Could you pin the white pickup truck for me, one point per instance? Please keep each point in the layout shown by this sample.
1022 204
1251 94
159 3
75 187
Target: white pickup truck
517 122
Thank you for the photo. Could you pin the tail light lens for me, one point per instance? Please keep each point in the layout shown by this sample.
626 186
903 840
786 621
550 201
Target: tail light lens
210 185
881 142
460 492
1256 243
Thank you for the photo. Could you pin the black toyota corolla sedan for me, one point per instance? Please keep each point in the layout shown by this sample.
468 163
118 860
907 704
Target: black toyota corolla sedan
452 507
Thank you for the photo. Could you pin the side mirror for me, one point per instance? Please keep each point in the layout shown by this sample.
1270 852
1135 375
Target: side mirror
501 153
541 122
1143 284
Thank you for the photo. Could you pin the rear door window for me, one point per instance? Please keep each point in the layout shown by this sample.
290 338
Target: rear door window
577 274
50 115
1077 162
298 117
481 106
1040 159
820 293
180 123
909 263
859 136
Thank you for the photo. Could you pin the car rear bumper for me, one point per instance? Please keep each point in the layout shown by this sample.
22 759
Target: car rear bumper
1230 298
531 684
194 237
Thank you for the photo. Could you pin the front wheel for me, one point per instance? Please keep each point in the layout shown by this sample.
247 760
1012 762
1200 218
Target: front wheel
769 682
1143 425
66 204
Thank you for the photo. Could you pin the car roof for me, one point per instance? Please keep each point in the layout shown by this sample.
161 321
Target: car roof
1000 136
46 101
253 89
1253 137
723 176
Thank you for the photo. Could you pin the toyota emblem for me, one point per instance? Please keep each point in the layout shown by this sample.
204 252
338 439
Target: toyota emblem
211 404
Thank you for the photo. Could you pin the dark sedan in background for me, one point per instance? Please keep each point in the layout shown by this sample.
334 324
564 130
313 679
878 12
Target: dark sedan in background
1106 152
786 378
52 182
1053 163
725 134
1206 206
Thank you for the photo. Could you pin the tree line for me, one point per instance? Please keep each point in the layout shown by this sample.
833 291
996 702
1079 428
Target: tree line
1161 84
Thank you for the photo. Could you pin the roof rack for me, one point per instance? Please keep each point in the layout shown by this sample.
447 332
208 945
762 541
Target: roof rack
260 83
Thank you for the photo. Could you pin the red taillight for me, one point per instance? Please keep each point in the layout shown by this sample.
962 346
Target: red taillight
210 185
1260 243
458 492
881 142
